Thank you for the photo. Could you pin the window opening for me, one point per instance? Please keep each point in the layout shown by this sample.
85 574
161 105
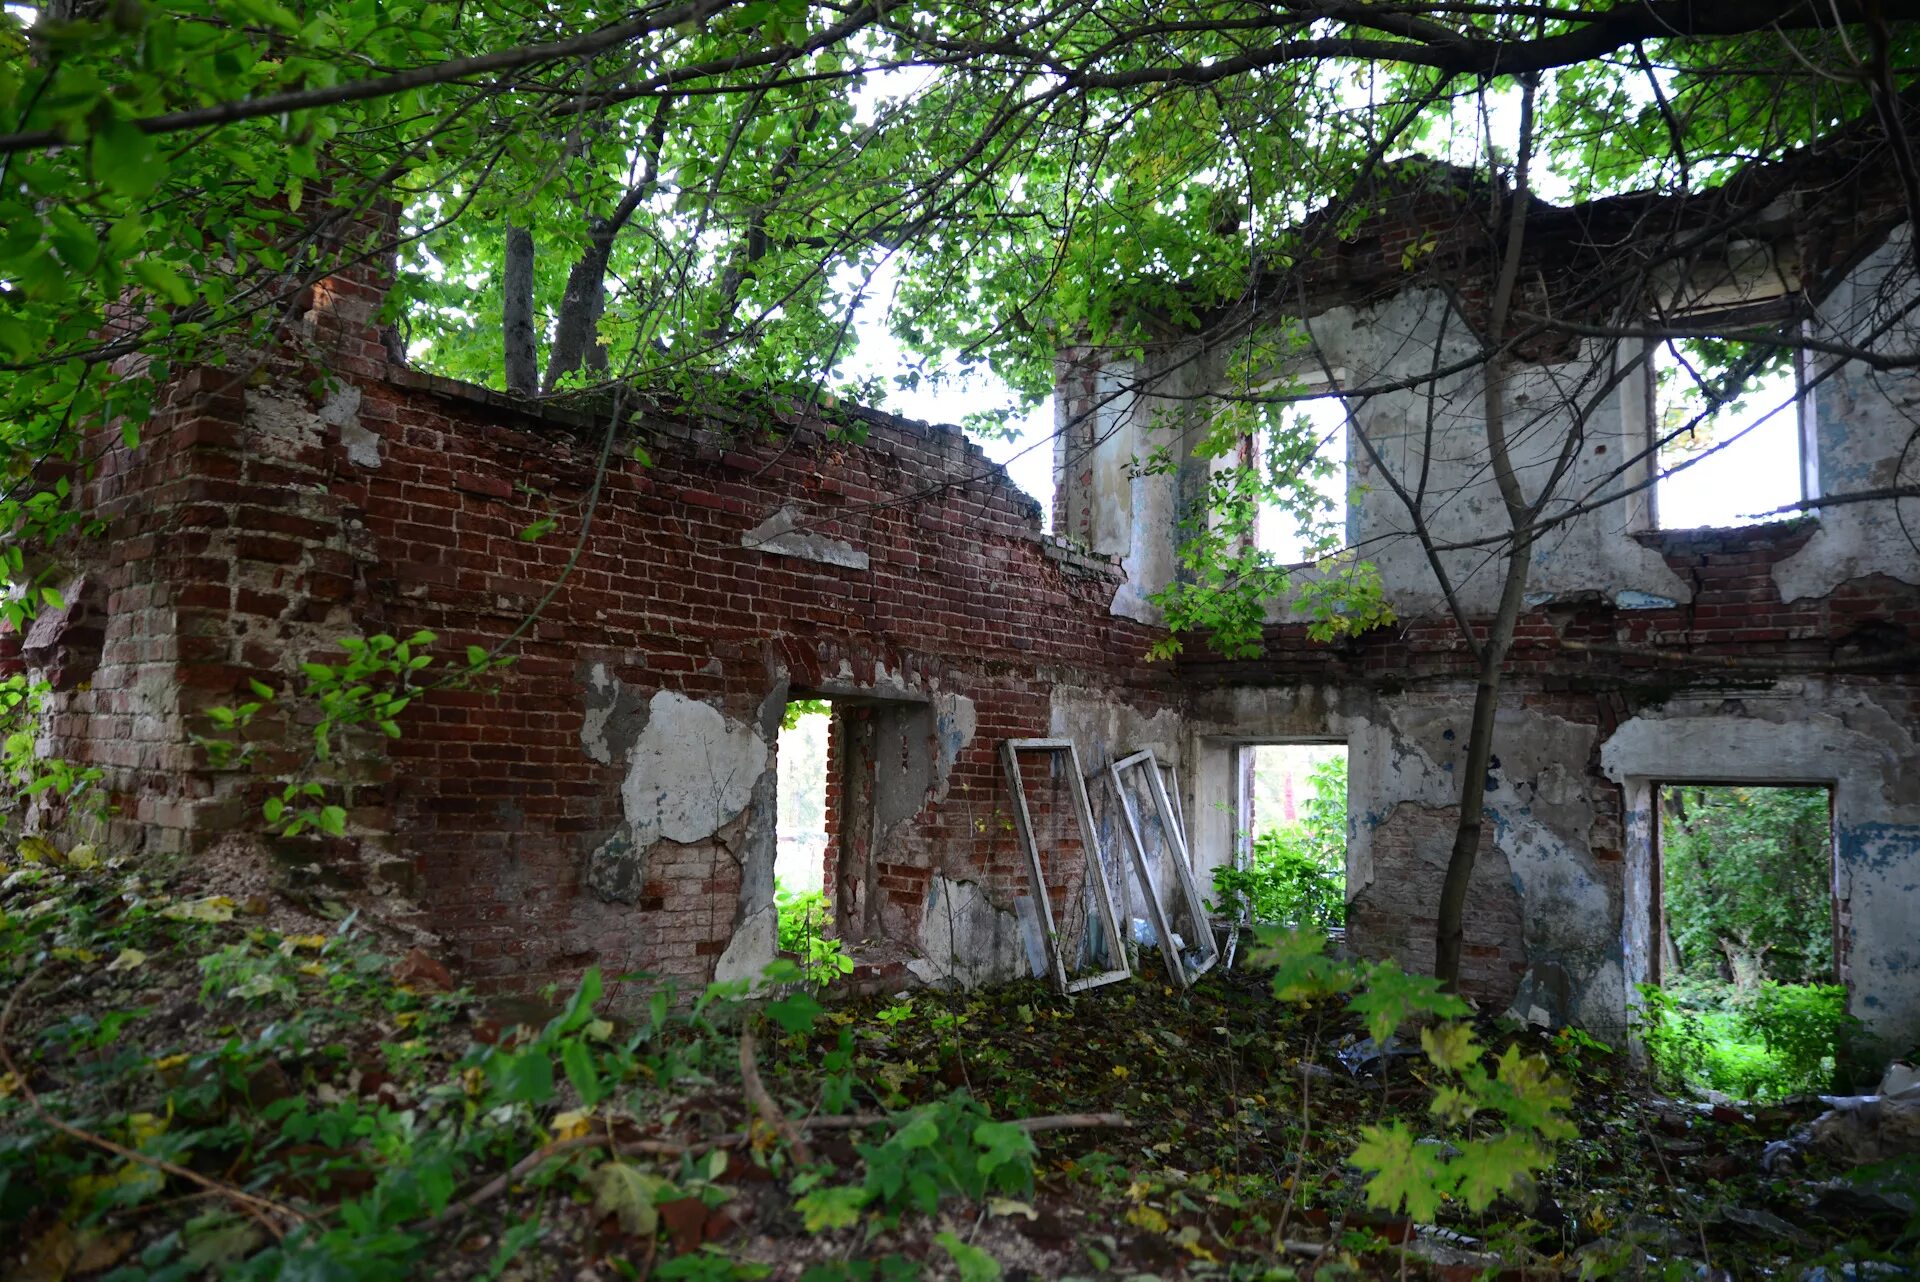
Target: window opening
1293 834
1740 464
1744 939
1303 514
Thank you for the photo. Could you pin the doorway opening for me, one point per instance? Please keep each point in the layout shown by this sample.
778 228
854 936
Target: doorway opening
801 885
1748 1000
1291 830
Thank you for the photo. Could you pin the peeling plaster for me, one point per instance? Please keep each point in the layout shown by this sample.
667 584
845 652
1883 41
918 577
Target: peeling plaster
964 940
783 534
613 719
690 771
751 948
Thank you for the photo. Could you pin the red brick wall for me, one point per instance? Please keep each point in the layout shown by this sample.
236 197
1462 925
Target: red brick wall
245 539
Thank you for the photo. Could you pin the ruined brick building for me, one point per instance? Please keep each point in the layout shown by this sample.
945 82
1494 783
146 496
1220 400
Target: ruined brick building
608 799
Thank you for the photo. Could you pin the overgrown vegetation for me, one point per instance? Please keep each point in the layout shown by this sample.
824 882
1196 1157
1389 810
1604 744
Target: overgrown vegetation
198 1084
1298 873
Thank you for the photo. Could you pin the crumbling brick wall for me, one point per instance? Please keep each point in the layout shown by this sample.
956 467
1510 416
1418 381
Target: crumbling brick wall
263 518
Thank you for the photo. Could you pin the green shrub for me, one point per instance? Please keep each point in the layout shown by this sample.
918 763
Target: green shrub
1779 1040
803 919
1298 874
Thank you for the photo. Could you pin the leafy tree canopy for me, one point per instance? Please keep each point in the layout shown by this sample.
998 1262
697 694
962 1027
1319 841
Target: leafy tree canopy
1034 173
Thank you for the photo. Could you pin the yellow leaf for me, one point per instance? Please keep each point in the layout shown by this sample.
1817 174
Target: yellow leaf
1189 1239
572 1124
212 908
1007 1206
1120 1071
407 1018
317 969
37 850
9 1083
142 1127
168 1063
83 856
473 1080
599 1030
84 955
293 943
138 1179
1146 1217
129 959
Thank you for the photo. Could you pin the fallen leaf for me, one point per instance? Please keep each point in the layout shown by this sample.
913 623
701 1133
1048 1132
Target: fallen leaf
129 959
420 969
83 856
293 943
572 1124
38 850
624 1190
101 1250
215 908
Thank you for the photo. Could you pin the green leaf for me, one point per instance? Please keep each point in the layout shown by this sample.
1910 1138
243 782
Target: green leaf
974 1264
526 1078
125 159
1450 1046
1487 1169
1406 1174
795 1013
1392 997
268 13
624 1190
162 280
576 1057
837 1207
333 821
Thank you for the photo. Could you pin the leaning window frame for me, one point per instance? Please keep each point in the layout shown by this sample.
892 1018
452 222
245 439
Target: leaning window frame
1065 752
1182 865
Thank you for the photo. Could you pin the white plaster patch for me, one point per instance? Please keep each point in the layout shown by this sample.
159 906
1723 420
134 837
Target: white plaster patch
954 726
965 939
690 772
751 948
781 535
593 726
281 428
342 410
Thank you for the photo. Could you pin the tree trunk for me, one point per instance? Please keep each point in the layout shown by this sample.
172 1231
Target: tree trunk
522 352
1449 929
576 334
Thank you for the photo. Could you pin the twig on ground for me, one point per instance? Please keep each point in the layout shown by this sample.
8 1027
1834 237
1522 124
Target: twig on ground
769 1112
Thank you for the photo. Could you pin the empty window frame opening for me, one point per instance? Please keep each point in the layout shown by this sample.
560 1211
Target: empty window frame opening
1747 462
1306 461
1291 829
1069 924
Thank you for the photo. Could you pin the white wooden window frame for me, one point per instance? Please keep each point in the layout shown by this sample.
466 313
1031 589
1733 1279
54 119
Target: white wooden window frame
1010 750
1202 932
